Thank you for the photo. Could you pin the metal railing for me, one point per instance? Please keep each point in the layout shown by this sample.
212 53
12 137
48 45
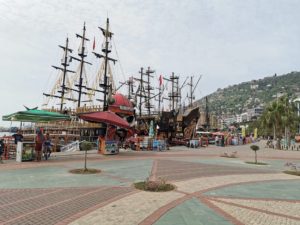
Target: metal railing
71 147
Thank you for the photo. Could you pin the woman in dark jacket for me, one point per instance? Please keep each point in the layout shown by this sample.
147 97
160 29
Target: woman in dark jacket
1 149
39 141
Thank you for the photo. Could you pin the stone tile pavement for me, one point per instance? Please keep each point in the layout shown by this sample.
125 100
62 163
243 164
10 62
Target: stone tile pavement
209 189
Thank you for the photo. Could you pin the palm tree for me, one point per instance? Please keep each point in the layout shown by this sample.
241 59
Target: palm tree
289 117
271 117
281 116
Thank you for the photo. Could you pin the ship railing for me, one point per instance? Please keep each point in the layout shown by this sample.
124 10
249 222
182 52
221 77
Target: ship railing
82 109
71 147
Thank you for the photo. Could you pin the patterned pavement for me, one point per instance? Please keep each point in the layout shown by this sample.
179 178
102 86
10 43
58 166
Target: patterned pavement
51 206
209 189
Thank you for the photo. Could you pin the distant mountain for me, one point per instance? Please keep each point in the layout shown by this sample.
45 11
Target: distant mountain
236 99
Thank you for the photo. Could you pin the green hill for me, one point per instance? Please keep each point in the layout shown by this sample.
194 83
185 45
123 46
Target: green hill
236 99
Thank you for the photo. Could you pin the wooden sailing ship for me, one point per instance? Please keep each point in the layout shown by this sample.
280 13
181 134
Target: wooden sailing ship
177 122
74 93
77 94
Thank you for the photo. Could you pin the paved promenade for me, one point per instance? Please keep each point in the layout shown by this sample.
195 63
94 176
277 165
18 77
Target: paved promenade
210 190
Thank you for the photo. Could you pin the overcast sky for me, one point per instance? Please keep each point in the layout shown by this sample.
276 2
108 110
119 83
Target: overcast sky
227 41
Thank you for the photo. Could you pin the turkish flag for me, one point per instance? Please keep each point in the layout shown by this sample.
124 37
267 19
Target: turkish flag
160 80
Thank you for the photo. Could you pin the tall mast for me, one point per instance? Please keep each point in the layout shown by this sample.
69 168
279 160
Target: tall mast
65 63
106 49
105 105
159 94
174 94
82 54
130 85
141 90
130 88
145 90
179 92
149 89
192 90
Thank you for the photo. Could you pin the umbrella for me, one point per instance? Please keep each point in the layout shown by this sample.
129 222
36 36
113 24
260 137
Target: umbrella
105 117
35 115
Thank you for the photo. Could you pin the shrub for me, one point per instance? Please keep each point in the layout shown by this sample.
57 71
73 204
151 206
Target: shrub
254 147
159 185
86 145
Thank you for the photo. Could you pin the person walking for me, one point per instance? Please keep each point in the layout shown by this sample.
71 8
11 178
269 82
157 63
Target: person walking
216 140
1 149
39 141
47 146
18 136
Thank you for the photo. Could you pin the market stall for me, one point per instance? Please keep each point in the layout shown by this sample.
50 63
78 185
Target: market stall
24 150
109 140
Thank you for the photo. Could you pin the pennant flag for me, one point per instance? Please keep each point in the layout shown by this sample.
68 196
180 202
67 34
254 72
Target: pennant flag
94 44
160 80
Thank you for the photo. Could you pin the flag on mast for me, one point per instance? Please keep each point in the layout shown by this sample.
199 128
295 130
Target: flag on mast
160 80
94 44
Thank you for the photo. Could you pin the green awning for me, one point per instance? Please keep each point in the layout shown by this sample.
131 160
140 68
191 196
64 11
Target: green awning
35 115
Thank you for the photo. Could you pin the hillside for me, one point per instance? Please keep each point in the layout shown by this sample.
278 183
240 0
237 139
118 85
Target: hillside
238 98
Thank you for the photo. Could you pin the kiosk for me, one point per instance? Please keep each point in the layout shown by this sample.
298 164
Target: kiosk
25 151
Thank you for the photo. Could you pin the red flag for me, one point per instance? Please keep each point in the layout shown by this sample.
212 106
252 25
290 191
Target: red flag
94 44
160 80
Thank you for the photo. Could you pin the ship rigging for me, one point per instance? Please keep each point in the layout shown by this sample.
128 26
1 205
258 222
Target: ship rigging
71 82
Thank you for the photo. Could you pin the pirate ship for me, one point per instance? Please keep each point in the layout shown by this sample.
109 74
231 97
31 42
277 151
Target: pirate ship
73 93
176 123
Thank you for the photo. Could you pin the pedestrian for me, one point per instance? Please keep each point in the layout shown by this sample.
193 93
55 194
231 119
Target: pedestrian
39 141
222 141
101 141
47 146
1 149
18 136
217 140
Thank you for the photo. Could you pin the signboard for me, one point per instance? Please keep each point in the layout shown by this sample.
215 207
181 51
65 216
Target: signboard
24 151
19 151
